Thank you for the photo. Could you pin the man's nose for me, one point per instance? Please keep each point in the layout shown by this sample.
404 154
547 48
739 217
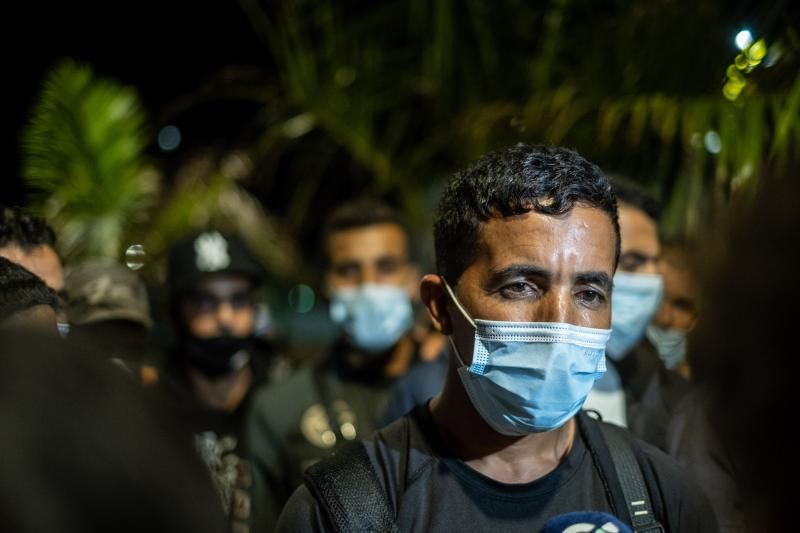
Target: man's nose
224 314
368 275
556 307
663 317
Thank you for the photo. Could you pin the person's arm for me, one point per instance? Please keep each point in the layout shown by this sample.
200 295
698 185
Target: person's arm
301 514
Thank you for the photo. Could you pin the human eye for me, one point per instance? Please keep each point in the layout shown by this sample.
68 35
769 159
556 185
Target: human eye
631 261
203 302
242 300
347 270
388 266
517 290
591 297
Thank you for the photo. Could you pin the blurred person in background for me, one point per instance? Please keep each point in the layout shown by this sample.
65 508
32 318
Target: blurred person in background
732 431
677 315
371 285
83 451
110 314
638 391
219 358
30 242
25 301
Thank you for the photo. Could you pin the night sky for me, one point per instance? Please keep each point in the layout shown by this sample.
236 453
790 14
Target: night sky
164 49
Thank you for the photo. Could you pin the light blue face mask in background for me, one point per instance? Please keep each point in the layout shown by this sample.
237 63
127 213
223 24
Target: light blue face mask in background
634 302
374 316
529 377
669 343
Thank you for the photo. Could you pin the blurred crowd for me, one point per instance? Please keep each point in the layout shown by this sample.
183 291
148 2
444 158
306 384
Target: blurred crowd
554 303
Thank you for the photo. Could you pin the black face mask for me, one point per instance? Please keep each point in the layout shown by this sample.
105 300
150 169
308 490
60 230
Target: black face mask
217 356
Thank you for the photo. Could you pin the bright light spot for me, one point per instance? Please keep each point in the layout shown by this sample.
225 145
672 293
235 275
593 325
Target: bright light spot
298 126
135 256
712 142
169 138
302 298
743 39
348 430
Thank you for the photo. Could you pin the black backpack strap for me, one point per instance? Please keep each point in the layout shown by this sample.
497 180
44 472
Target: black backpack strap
348 490
613 455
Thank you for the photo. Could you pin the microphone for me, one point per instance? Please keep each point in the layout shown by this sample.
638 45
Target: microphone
585 522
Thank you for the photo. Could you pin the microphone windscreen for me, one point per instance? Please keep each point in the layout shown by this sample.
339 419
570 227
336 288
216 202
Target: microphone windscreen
585 522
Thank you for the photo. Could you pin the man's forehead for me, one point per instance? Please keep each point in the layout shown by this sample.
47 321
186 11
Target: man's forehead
636 224
583 235
12 252
368 241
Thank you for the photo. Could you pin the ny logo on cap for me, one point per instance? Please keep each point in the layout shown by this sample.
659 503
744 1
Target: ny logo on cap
212 252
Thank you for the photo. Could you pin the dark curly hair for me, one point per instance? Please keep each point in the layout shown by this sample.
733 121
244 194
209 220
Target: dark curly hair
21 289
545 179
24 230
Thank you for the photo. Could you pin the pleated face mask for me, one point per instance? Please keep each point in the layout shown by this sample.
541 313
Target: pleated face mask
529 377
634 302
373 316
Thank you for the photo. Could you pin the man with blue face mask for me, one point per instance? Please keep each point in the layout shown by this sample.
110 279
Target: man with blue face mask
526 248
638 391
370 283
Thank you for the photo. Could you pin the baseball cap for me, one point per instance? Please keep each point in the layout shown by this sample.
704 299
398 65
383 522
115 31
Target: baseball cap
101 289
209 252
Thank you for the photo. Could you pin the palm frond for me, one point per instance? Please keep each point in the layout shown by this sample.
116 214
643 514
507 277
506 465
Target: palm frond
83 153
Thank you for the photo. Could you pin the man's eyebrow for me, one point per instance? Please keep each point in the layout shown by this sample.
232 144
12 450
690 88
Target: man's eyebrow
518 271
638 256
597 278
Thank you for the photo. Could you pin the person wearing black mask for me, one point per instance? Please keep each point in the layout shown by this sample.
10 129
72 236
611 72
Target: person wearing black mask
219 358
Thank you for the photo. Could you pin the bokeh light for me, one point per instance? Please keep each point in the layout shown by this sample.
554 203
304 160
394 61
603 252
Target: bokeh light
169 138
302 298
135 256
743 39
712 142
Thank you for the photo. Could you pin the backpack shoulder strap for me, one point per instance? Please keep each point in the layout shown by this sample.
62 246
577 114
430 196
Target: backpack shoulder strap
612 451
348 490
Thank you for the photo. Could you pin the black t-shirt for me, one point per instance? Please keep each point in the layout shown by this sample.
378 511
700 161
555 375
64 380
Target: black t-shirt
219 436
431 492
304 419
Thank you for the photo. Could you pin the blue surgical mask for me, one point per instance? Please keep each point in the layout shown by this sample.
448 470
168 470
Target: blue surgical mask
635 300
373 316
670 344
530 377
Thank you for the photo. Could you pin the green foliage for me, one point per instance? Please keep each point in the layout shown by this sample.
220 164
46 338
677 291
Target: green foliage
84 154
412 90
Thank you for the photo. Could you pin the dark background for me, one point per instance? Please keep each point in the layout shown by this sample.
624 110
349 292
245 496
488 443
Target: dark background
165 49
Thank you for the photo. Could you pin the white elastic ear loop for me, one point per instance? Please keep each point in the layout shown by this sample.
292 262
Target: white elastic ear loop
458 304
464 313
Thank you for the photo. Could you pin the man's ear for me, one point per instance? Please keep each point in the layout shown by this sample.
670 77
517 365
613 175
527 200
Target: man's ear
435 298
